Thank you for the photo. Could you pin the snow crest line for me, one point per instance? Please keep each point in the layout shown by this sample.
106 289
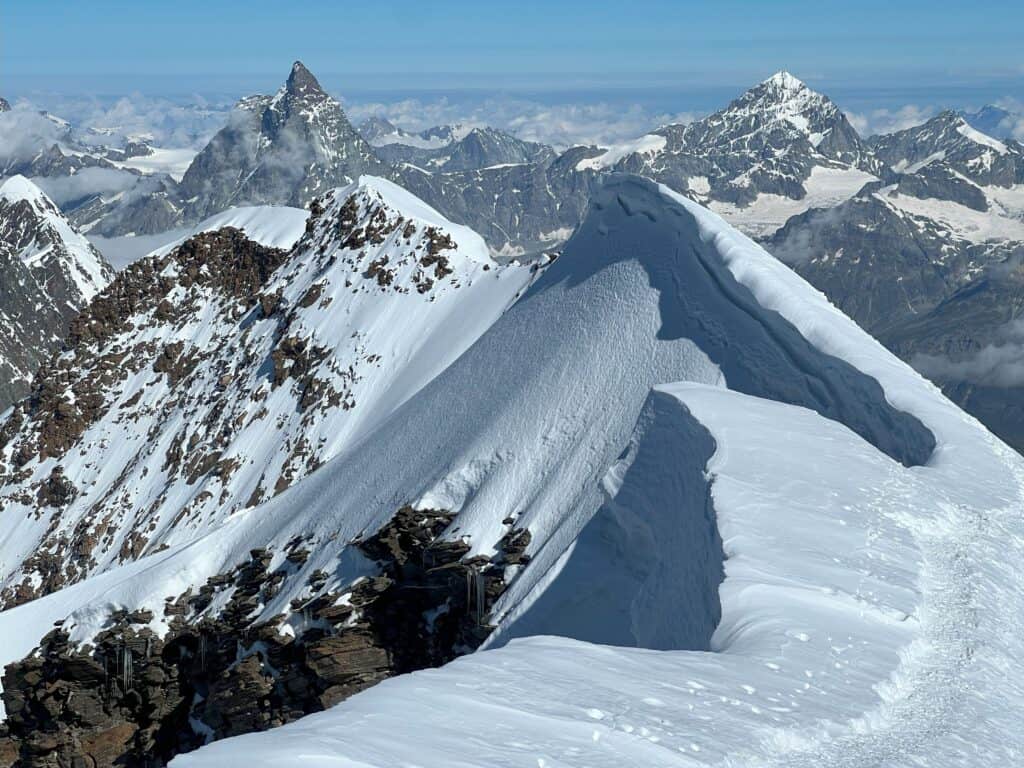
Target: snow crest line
928 688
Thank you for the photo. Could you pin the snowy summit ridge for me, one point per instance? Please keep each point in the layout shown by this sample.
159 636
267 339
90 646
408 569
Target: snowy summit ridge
718 461
863 608
265 362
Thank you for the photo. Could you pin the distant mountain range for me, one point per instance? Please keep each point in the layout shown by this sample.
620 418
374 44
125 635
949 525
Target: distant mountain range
890 227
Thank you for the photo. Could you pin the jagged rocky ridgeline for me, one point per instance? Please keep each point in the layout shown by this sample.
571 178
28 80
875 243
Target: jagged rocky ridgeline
209 379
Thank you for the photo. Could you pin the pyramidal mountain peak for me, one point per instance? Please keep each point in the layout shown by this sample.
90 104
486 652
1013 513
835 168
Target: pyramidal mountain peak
302 82
285 149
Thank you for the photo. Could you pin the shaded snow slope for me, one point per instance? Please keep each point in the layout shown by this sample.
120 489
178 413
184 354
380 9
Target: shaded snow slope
855 588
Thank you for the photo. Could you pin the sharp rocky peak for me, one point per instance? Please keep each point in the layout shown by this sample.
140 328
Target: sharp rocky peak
301 82
782 89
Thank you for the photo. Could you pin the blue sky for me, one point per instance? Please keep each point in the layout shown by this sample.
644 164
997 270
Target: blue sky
561 70
220 45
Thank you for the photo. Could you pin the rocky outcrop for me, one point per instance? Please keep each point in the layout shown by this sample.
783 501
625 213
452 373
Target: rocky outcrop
129 697
949 138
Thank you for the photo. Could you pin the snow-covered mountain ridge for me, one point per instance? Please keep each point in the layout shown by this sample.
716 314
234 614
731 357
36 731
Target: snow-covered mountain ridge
213 375
866 609
847 594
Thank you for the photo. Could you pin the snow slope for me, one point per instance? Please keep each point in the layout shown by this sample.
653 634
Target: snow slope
173 162
275 226
50 238
665 380
846 638
867 608
226 392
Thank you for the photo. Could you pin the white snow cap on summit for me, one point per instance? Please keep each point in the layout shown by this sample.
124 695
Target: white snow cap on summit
53 236
782 79
19 188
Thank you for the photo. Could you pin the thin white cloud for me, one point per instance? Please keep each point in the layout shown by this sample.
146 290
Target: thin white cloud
24 132
560 125
86 183
1012 124
1000 364
879 121
167 123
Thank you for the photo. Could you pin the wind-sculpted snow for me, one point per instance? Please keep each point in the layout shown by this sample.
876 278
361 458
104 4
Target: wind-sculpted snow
758 350
866 612
857 628
646 569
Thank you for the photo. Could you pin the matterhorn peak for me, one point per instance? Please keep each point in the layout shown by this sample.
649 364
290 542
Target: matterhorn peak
301 81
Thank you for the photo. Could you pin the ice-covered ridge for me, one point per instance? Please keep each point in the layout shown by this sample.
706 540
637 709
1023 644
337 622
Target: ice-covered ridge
980 138
649 145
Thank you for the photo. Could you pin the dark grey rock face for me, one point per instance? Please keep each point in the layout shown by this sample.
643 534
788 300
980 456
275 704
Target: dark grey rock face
29 328
480 148
938 181
151 206
5 106
518 209
945 304
375 129
285 149
878 266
